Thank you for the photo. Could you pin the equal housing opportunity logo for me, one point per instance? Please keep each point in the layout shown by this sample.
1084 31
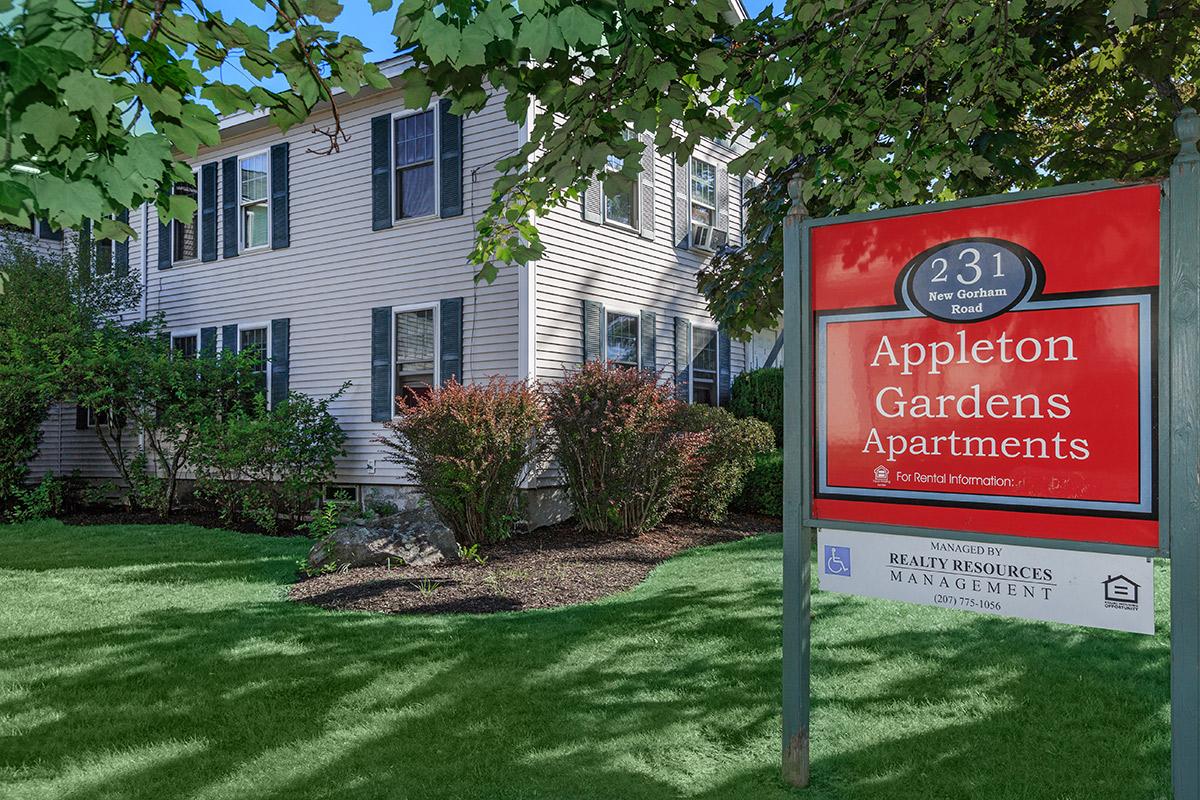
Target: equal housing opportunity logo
1121 593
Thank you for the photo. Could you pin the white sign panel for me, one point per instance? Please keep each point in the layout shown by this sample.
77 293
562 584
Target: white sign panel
1095 589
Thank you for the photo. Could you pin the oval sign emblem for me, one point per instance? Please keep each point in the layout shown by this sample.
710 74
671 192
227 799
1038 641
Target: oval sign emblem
970 280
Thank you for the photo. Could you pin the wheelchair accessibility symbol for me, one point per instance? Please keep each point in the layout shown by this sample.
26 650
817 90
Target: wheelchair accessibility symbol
837 560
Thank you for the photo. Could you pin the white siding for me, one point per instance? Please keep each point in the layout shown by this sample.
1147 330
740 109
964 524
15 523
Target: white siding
617 267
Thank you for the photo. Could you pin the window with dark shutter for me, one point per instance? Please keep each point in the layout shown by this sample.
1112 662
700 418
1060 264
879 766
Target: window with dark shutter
450 341
121 250
381 169
185 244
724 367
415 181
254 340
208 212
229 207
649 341
416 368
704 366
683 364
621 339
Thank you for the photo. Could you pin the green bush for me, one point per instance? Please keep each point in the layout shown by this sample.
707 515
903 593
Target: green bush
759 394
618 445
467 448
257 465
20 434
723 460
763 489
41 502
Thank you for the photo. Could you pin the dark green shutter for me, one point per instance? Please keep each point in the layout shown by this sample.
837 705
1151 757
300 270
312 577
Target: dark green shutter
724 367
229 338
208 212
281 330
381 364
84 253
280 228
81 418
381 175
164 245
121 250
648 341
450 153
208 342
683 362
450 323
593 330
229 206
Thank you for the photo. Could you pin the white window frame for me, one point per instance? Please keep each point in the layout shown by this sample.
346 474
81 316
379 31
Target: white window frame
258 326
242 246
624 312
199 226
437 345
437 168
635 206
183 333
692 361
707 246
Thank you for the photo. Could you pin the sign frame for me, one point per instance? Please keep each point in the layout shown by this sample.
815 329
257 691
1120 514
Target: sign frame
1177 456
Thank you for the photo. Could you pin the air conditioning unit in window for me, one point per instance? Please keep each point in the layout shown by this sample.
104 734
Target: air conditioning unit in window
702 236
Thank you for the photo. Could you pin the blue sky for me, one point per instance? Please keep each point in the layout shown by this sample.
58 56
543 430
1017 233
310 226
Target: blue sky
375 30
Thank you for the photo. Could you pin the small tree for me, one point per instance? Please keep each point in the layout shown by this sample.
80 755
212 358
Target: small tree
617 442
129 378
729 454
49 306
467 448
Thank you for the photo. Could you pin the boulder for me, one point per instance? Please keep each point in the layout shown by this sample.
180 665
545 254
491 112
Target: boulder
415 536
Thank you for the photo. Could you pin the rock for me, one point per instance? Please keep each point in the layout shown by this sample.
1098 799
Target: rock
415 536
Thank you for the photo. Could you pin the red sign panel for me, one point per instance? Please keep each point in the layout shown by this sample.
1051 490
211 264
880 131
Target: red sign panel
991 369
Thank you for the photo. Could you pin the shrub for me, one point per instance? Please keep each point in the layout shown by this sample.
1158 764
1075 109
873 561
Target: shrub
763 489
759 394
722 461
617 444
467 448
41 502
20 434
257 464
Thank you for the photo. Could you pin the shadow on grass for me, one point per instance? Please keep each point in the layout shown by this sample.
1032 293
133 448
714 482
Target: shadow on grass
669 690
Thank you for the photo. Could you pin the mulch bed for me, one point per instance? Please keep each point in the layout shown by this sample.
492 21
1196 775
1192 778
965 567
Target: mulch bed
551 567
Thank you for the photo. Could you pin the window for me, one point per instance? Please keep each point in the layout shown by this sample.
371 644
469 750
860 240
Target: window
185 345
621 337
256 212
254 340
704 366
185 235
416 371
415 165
704 203
102 251
620 195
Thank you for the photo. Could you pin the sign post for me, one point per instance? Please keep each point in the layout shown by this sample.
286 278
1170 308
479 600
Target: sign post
797 537
1183 493
994 405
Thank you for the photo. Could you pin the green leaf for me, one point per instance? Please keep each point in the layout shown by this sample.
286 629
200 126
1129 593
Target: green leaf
710 63
540 35
475 39
579 27
47 125
1123 12
442 42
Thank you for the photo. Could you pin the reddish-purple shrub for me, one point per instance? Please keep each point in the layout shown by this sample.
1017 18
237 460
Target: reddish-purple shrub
467 448
623 458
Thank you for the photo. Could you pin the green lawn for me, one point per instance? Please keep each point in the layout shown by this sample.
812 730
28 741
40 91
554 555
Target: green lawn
163 662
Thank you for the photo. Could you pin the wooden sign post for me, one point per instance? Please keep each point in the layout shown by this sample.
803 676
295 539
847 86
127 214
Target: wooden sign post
990 392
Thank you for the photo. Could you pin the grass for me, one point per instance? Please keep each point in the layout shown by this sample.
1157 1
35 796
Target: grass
163 662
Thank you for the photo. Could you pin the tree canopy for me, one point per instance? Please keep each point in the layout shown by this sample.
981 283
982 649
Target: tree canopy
102 100
869 102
